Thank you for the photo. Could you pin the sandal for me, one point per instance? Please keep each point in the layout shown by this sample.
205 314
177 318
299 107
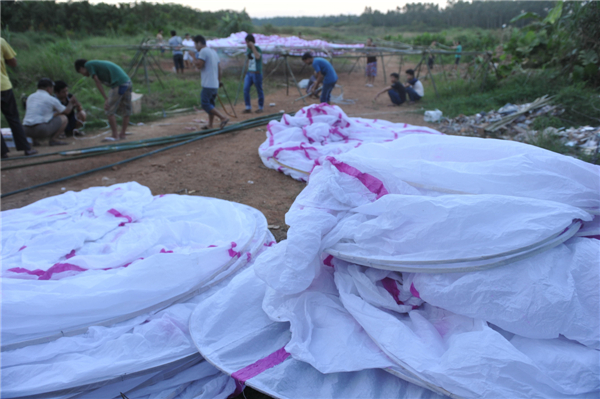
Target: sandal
224 123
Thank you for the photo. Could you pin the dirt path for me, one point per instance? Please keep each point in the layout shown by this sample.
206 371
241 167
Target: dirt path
226 167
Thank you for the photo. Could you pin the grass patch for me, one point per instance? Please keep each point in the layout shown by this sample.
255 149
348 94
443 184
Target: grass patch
460 96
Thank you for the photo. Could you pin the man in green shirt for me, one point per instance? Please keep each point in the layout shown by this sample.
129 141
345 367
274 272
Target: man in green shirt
119 95
254 75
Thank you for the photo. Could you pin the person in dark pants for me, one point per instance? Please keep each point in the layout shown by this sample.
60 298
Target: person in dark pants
9 104
77 116
325 74
254 75
176 43
396 91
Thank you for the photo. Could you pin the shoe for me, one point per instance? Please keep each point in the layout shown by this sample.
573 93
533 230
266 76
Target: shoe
259 111
4 156
247 111
56 142
30 152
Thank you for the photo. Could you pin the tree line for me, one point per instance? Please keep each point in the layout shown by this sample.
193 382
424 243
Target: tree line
81 17
426 16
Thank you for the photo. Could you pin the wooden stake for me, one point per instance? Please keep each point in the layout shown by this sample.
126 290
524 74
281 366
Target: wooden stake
432 81
383 66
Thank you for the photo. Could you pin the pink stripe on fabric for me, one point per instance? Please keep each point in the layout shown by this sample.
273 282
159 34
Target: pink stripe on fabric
248 256
59 268
414 291
164 251
372 183
391 286
22 248
327 261
309 116
233 253
120 215
297 148
270 243
310 141
70 254
251 371
36 272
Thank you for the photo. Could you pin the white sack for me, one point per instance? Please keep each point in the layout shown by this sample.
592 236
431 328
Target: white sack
295 144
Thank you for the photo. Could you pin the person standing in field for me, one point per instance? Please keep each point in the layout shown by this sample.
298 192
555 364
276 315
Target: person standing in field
45 116
458 54
254 75
371 68
119 95
208 62
9 104
325 74
175 43
160 40
188 59
396 91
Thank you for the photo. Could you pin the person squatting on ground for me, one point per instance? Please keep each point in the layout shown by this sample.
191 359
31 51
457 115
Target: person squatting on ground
396 91
9 104
45 116
413 86
77 116
175 42
208 62
188 59
254 75
119 96
371 68
325 74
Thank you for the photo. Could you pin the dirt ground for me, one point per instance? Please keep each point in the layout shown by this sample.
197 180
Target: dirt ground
225 166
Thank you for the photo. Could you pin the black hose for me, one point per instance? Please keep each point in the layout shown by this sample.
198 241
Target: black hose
240 126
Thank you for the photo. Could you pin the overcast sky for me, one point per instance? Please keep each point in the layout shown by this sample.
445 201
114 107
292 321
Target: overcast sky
273 8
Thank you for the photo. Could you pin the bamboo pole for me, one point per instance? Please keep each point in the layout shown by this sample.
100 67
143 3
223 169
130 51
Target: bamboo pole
237 95
383 66
287 81
432 81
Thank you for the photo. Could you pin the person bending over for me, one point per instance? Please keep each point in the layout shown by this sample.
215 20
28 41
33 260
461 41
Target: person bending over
119 95
325 74
45 116
414 87
208 62
77 116
396 91
254 75
175 43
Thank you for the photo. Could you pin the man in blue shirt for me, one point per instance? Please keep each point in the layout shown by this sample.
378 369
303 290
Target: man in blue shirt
325 74
176 43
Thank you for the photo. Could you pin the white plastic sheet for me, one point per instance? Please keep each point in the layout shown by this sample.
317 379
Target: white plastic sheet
528 328
295 144
144 354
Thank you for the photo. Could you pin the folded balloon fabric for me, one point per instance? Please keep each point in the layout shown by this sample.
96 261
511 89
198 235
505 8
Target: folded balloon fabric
99 285
467 267
295 144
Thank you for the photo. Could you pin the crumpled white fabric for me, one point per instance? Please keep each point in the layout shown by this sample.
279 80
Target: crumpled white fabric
526 329
103 255
295 144
159 340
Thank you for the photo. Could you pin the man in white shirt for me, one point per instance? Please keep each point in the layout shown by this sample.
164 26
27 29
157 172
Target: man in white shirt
207 60
188 59
414 87
45 116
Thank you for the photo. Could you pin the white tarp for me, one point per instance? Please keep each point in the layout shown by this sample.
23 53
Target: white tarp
528 327
187 246
295 144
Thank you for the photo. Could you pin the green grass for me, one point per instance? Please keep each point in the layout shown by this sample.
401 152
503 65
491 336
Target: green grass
44 55
460 96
